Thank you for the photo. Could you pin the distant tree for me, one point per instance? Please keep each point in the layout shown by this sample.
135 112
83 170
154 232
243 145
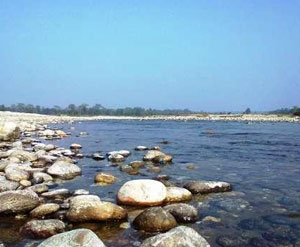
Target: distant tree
248 111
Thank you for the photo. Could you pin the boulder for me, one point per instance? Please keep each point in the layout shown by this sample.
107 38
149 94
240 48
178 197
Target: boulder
116 158
75 238
98 156
155 219
41 177
177 194
75 146
56 193
140 148
7 185
23 155
81 192
143 192
105 178
14 173
180 236
18 201
44 209
157 156
90 207
25 183
182 212
42 228
38 188
9 131
49 147
205 187
64 170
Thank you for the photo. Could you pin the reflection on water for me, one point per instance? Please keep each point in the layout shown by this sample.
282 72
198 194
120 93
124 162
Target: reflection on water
261 160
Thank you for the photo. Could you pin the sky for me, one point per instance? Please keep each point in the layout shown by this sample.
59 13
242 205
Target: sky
201 55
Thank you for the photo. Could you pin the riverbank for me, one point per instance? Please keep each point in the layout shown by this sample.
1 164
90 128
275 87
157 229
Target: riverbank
43 119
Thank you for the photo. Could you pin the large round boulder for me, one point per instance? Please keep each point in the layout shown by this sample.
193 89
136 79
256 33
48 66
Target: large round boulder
177 194
18 201
180 236
64 170
42 228
9 131
142 192
155 219
205 187
182 212
90 207
75 238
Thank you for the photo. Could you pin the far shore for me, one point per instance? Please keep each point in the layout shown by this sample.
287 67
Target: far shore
44 119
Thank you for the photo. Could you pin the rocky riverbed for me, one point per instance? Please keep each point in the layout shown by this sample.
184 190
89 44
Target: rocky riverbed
29 169
155 208
30 118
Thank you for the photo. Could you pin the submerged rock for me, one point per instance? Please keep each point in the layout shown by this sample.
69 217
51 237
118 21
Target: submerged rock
177 194
9 131
75 238
64 170
155 219
42 228
18 201
182 212
90 207
143 192
205 187
180 236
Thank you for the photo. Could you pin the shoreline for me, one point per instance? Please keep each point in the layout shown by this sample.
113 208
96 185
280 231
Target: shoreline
6 116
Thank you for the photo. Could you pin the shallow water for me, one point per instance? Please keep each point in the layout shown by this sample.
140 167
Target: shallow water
260 160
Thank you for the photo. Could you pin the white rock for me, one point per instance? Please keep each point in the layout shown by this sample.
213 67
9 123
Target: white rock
144 192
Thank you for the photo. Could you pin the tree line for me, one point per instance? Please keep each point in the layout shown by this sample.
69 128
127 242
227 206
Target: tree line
86 110
293 111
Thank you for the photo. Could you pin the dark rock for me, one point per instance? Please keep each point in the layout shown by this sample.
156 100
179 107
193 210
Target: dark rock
42 228
182 212
155 219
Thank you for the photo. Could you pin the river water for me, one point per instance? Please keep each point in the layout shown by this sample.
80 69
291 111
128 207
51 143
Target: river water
260 160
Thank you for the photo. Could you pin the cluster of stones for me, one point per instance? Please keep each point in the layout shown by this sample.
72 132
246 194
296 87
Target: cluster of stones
28 168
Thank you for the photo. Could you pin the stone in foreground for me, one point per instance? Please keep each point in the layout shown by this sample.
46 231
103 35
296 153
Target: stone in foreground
143 192
90 207
206 187
42 228
180 236
75 238
155 219
18 201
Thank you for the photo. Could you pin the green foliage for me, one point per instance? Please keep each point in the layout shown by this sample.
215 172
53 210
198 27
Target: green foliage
86 110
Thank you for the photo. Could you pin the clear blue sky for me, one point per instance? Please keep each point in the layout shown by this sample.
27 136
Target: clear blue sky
201 55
